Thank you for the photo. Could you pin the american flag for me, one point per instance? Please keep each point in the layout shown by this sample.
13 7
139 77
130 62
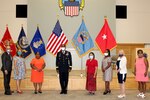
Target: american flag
56 39
71 8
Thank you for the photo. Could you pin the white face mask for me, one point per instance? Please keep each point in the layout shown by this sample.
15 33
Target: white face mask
91 57
105 54
8 50
63 48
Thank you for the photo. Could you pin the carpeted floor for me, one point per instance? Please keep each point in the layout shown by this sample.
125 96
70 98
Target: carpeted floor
72 95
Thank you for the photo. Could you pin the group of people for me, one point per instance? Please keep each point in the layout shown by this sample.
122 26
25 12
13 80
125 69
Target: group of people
140 72
64 66
107 70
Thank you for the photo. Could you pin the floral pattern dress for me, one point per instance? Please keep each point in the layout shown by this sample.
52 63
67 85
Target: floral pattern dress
20 64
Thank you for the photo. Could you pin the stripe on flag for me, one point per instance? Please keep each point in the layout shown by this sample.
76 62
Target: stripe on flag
56 39
71 10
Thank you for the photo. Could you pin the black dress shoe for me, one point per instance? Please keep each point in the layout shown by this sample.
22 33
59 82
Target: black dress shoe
61 92
65 92
7 93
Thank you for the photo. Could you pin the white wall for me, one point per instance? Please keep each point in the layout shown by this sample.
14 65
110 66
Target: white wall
44 13
136 28
8 16
94 13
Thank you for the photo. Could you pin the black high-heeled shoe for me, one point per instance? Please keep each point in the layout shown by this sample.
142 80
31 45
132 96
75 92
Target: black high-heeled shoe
104 93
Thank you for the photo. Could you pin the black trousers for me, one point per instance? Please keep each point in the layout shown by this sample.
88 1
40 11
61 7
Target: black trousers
63 78
7 82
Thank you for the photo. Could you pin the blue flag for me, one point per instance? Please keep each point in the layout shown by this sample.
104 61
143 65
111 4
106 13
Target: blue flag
82 40
23 43
37 43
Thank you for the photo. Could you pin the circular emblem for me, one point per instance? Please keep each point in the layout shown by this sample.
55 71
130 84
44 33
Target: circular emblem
23 42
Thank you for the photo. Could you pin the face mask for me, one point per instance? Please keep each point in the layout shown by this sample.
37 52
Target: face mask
19 53
8 50
91 57
62 48
120 55
105 54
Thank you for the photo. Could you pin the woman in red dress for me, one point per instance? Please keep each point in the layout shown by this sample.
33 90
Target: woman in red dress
37 74
91 73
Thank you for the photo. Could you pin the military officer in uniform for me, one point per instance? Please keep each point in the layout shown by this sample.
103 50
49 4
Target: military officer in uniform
63 67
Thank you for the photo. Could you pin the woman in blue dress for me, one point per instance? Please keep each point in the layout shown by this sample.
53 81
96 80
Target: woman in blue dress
19 69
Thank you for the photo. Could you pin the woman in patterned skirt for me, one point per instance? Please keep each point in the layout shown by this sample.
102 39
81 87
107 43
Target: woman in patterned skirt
19 69
107 71
91 71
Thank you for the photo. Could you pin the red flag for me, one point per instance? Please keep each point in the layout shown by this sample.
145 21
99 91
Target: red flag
7 41
105 39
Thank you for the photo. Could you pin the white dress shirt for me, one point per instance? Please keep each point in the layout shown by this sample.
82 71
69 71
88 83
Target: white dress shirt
122 65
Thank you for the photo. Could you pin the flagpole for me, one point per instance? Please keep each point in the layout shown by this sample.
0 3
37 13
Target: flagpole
82 57
37 25
105 18
82 17
57 20
22 25
57 17
81 67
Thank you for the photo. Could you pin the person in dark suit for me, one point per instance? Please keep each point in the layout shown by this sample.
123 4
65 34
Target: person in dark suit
63 67
6 69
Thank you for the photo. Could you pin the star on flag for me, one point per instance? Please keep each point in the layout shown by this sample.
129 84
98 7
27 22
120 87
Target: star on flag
104 36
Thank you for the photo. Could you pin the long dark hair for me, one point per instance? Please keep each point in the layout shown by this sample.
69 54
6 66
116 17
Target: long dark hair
92 54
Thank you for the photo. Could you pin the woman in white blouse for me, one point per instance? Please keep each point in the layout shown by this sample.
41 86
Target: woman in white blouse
121 72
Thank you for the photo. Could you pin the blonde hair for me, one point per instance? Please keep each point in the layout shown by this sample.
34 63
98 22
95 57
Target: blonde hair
121 52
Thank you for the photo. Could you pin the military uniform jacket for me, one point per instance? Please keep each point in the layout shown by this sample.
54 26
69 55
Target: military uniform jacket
63 61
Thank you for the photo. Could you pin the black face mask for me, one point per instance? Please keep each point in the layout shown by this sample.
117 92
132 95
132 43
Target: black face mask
120 55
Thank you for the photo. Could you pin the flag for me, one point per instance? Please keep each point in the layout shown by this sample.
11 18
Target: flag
82 40
37 43
56 39
7 41
71 8
105 39
23 43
